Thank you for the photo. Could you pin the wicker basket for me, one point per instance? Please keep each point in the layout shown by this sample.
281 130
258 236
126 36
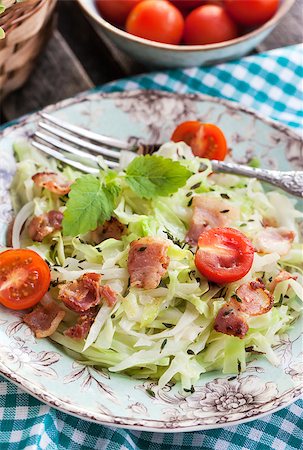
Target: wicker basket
27 26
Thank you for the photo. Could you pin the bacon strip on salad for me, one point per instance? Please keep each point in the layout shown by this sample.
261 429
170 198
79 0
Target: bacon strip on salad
282 276
251 299
110 229
81 329
231 321
271 239
41 226
254 298
85 293
82 294
147 262
44 319
52 182
209 212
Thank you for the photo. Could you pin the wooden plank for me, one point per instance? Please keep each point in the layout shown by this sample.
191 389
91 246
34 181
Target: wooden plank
58 74
95 57
126 62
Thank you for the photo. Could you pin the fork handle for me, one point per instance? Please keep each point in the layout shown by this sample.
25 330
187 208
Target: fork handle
290 181
251 172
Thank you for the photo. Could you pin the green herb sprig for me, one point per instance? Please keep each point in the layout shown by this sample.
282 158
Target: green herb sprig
150 176
92 199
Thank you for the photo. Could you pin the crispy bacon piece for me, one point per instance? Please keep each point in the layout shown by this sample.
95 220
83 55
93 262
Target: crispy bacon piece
82 294
41 226
85 293
283 275
81 329
52 182
110 229
108 294
255 299
251 299
147 262
44 319
272 239
231 321
209 212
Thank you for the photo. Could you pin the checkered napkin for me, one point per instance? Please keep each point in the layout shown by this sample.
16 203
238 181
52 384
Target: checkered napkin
271 83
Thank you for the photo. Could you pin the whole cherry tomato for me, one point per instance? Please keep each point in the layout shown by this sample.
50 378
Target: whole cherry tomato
156 20
116 11
208 24
251 12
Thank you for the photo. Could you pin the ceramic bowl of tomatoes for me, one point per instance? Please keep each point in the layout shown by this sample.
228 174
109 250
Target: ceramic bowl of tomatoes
184 33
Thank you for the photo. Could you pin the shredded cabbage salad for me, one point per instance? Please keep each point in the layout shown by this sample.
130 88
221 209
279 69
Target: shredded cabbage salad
166 333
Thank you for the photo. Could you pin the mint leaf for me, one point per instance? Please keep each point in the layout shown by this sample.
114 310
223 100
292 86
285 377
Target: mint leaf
90 203
152 175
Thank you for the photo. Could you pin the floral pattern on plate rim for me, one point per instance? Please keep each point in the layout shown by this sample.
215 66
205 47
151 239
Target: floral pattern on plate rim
222 400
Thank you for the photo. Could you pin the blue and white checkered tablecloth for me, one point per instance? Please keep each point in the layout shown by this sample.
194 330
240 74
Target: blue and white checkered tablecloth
272 84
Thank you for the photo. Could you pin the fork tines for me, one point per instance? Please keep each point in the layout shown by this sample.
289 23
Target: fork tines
56 137
87 134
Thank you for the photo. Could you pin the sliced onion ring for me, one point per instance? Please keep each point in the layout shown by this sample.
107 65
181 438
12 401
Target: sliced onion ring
22 216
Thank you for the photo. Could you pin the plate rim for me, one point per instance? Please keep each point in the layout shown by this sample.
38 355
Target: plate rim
130 423
138 424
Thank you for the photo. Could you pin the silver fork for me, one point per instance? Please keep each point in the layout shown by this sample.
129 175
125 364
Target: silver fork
55 136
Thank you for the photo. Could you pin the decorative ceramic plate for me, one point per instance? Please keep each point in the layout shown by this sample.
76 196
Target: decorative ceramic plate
44 370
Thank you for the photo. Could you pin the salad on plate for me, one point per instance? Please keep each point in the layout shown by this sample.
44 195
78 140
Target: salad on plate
161 269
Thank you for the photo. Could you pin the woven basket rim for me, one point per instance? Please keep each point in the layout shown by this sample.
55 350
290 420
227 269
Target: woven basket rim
19 12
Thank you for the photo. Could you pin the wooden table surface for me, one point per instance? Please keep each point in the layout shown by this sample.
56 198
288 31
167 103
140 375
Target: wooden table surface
76 59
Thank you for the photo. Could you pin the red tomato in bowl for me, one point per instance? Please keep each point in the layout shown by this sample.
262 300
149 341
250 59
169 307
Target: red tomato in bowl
208 24
251 12
205 139
156 20
24 278
116 11
224 255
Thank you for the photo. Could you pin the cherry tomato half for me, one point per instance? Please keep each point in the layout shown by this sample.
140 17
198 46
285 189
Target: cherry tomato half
205 139
116 11
208 24
156 20
224 255
251 12
24 278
